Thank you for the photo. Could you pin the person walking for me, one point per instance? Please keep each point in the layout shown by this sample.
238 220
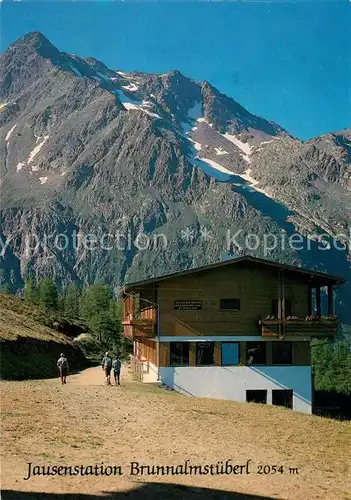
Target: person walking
116 365
107 367
62 365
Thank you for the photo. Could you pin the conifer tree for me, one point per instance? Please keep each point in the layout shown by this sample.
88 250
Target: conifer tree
48 295
101 314
30 291
72 301
95 299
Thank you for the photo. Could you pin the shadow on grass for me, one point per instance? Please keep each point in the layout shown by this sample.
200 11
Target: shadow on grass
33 359
148 491
45 374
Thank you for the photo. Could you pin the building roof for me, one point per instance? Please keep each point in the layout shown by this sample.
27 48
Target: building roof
328 278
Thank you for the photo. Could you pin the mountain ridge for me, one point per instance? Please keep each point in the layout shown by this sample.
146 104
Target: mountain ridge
94 150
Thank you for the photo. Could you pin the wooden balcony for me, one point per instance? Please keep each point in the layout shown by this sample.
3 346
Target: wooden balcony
298 327
137 321
140 326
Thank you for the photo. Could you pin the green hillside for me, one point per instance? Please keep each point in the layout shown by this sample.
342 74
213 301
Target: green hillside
29 349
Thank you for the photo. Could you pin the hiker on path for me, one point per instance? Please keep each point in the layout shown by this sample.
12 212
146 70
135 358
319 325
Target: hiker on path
107 367
62 365
116 365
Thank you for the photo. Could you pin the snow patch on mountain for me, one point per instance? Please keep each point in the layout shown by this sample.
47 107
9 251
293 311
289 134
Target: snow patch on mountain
197 145
210 167
131 87
19 166
135 104
203 120
219 151
125 99
243 146
9 133
217 166
37 148
223 174
154 115
132 106
253 184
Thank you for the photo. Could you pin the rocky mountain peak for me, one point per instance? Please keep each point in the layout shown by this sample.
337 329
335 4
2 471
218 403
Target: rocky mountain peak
177 82
174 73
25 61
36 42
132 151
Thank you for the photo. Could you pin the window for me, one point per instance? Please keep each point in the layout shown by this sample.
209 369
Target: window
179 354
205 353
231 304
230 353
282 397
281 353
256 397
256 353
275 309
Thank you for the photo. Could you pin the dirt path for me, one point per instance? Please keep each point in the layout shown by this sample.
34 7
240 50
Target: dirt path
95 377
87 423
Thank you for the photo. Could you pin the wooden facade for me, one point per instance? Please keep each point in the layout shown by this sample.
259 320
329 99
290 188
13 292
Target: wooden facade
255 289
231 330
258 288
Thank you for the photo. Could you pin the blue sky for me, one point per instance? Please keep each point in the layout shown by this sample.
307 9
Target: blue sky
288 62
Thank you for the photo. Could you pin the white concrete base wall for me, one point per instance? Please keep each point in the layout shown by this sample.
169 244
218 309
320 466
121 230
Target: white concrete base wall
232 382
149 372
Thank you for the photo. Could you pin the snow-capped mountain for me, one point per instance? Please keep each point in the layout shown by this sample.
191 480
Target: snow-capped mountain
86 149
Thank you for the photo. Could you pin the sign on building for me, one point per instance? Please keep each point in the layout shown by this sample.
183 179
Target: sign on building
188 304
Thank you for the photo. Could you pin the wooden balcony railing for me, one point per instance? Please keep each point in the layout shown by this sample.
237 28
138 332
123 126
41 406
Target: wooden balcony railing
297 327
144 328
143 324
